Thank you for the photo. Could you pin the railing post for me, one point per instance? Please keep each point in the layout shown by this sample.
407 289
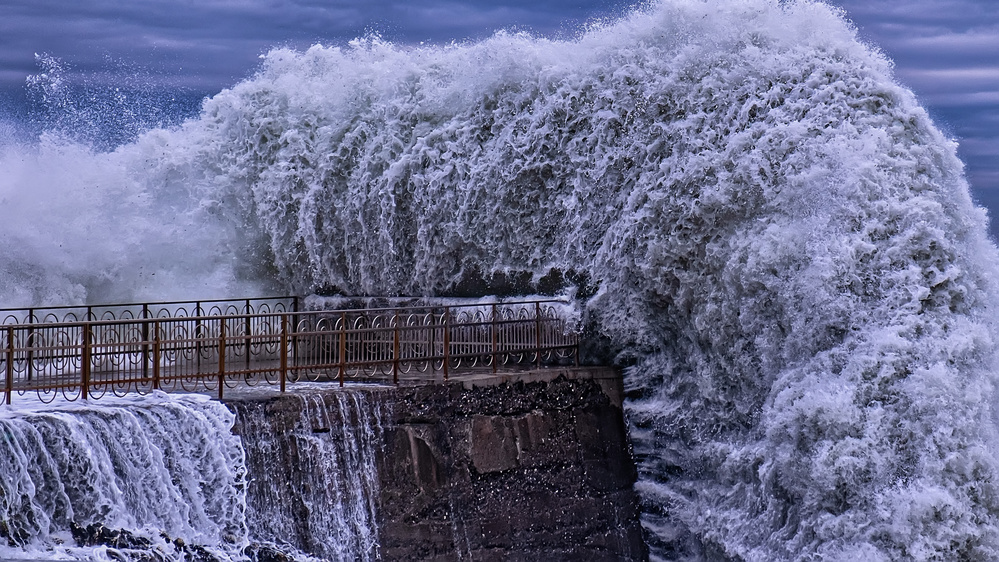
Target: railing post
248 330
31 342
493 329
575 339
145 339
221 354
294 341
432 349
343 345
537 330
395 350
284 351
197 334
296 320
10 364
85 362
447 340
156 356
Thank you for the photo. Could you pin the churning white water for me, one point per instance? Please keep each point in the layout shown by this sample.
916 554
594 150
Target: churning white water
180 478
784 244
155 466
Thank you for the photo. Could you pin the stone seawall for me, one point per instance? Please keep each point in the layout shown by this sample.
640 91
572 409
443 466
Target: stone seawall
524 466
534 466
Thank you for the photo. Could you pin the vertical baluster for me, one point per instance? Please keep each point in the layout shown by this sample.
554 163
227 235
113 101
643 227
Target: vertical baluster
10 364
221 354
494 335
447 340
156 356
432 349
537 332
395 350
343 345
248 334
574 341
294 340
31 342
85 360
197 336
284 351
145 340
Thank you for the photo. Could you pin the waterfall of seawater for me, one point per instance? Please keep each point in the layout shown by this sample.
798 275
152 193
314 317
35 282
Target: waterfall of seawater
151 466
313 482
168 480
784 247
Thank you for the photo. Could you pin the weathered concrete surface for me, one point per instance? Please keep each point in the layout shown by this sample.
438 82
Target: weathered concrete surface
528 466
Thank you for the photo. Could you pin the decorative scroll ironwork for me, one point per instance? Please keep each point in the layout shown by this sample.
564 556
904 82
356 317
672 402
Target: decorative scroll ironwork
130 311
213 346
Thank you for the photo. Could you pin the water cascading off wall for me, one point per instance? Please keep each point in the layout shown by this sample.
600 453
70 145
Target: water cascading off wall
166 478
312 477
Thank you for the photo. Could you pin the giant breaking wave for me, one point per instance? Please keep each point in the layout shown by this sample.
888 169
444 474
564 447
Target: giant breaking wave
785 250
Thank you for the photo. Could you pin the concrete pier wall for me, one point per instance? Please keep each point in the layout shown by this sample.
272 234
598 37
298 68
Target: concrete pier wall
532 465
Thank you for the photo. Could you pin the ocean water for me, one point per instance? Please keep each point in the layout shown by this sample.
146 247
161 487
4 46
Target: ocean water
783 247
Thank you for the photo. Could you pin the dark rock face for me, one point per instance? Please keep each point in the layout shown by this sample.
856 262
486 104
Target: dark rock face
517 471
97 534
127 546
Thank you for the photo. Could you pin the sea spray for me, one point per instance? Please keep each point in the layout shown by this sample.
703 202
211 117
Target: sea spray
78 220
784 245
81 226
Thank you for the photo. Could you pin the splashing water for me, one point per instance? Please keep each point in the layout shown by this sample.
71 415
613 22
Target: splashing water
103 116
784 244
82 221
151 465
185 478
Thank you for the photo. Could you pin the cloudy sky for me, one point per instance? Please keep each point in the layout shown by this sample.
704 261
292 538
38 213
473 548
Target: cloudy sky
947 51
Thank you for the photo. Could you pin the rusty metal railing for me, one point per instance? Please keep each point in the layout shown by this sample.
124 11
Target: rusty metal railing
172 350
131 311
160 309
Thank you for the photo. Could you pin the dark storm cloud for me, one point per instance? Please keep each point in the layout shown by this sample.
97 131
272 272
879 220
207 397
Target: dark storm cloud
198 44
210 44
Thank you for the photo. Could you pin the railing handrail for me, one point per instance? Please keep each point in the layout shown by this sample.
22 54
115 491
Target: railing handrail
141 304
272 314
97 312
